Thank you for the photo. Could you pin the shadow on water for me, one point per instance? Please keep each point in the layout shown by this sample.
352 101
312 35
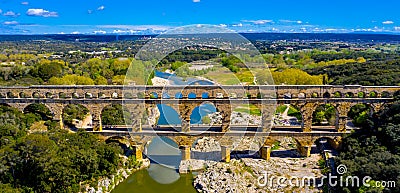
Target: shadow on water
142 181
162 175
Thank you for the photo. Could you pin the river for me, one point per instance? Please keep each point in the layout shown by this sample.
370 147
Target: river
164 154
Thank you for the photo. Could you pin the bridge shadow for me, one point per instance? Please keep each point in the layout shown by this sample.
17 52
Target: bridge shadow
211 155
291 153
245 154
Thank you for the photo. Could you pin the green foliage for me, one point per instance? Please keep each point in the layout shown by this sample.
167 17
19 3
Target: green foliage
48 70
72 112
324 113
55 161
206 120
296 77
374 150
232 63
359 113
377 73
71 80
115 115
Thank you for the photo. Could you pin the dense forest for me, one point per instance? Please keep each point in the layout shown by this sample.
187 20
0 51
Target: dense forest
50 159
370 73
374 150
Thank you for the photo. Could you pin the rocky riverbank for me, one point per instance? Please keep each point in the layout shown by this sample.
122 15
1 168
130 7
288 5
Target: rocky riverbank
107 184
242 175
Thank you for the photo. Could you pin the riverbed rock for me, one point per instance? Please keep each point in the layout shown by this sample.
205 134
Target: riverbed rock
242 175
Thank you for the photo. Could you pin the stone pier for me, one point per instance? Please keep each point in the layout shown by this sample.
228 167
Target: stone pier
226 153
185 152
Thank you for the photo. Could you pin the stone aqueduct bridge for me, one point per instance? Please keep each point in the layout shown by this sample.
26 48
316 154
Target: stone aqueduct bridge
225 98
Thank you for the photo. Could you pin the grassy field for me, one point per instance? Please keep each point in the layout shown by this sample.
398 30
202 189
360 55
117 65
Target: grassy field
250 109
224 76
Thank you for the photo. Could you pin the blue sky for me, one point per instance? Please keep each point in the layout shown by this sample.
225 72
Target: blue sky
134 16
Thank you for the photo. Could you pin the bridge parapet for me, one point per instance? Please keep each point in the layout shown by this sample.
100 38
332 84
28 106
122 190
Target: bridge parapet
199 91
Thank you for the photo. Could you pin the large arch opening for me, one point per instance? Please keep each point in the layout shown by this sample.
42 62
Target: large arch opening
288 115
76 116
114 116
359 114
40 110
168 116
38 115
246 114
164 154
206 148
204 116
200 114
325 115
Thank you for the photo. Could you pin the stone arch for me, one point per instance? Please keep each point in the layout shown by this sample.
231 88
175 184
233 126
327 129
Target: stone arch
373 94
301 95
153 95
337 94
326 95
314 95
49 95
178 95
334 142
165 95
359 112
349 95
191 95
169 115
122 141
304 145
246 114
386 94
11 95
77 116
289 115
113 115
36 95
287 95
115 95
163 144
39 108
200 111
101 95
206 148
76 95
88 95
62 95
325 115
361 94
22 94
205 95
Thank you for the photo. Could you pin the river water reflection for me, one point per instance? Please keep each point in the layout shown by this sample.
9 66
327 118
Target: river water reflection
164 154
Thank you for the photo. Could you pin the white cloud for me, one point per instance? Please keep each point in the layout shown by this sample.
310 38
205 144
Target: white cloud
196 1
25 3
1 11
75 32
89 11
388 22
41 13
259 22
10 23
11 14
99 32
101 8
291 21
237 25
396 28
